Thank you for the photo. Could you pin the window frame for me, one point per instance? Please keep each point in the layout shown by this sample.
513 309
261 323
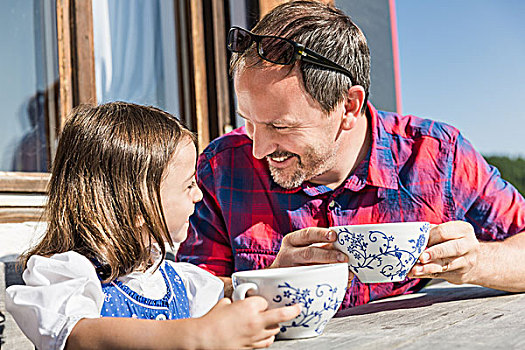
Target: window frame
76 64
205 96
77 85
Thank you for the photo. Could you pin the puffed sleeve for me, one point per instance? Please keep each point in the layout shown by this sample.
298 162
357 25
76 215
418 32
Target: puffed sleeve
58 292
203 289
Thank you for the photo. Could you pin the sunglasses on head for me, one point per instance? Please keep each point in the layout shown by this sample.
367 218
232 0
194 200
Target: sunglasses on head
279 50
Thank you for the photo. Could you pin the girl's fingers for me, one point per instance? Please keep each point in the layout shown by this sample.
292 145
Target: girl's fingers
263 343
282 314
256 302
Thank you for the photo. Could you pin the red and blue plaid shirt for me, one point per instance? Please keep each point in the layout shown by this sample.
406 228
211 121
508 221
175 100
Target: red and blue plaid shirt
416 170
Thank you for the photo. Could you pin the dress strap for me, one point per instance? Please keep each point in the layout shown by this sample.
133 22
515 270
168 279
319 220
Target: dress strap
103 271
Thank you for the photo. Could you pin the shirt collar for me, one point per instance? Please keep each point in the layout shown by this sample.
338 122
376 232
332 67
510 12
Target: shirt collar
382 169
377 169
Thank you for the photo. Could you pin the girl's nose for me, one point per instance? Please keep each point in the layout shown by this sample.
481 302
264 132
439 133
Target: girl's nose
197 196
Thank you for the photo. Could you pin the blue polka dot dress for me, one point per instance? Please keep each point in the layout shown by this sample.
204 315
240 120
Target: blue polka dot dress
121 301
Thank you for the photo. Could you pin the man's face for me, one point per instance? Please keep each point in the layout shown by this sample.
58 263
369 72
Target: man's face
287 126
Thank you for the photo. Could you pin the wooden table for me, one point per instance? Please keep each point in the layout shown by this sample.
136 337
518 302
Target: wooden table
441 316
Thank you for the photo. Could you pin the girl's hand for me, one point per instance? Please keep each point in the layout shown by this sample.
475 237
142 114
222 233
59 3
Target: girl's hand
243 324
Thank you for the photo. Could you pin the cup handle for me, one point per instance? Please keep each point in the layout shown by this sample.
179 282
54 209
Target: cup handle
240 291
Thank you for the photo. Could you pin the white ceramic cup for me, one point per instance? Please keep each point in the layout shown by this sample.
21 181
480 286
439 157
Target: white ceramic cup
319 289
381 253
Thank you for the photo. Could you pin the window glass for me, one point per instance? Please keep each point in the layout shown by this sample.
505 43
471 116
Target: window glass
29 84
373 18
135 52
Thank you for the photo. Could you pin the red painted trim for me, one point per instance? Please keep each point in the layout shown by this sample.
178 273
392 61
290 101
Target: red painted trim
395 54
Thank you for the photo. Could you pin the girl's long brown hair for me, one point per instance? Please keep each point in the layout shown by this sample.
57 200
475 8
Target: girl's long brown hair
106 180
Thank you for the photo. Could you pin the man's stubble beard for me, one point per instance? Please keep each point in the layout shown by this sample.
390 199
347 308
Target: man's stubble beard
312 164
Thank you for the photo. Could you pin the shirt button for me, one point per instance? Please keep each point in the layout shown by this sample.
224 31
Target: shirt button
160 317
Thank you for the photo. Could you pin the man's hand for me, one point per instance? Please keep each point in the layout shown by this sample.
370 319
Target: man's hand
455 254
312 245
452 254
309 246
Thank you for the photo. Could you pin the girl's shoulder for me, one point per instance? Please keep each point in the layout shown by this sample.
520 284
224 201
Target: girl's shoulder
57 268
196 278
59 291
203 289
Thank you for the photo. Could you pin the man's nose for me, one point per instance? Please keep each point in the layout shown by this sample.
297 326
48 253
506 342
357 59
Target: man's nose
263 143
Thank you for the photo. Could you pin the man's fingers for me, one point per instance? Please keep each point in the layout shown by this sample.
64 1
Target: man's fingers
449 249
448 231
440 268
316 255
308 236
323 245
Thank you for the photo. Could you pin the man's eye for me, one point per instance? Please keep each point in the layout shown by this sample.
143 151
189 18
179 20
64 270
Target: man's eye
277 127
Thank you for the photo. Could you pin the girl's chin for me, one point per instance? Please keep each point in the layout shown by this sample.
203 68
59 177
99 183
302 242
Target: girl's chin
180 235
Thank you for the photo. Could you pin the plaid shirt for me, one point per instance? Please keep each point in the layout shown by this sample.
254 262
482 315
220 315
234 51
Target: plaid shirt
416 170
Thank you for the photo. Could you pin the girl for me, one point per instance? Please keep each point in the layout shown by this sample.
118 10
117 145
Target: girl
122 187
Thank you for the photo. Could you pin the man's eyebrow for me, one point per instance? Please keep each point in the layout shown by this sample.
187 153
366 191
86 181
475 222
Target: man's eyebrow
275 122
241 115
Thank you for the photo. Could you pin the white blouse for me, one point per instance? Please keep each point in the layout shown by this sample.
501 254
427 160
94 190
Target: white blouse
62 289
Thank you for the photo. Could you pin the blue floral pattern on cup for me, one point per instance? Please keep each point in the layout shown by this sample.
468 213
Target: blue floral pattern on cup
367 259
309 316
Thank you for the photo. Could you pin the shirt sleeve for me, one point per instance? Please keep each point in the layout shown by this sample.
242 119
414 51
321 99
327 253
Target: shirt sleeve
203 289
58 292
207 245
482 197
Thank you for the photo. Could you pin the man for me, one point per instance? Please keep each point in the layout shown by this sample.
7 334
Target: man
314 154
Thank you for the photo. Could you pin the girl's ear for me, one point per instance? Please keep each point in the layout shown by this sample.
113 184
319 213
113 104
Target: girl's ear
353 106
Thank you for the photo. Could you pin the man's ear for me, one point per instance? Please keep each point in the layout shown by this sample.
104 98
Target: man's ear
352 106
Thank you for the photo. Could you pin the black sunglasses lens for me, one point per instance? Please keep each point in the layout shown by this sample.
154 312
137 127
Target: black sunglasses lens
239 40
276 50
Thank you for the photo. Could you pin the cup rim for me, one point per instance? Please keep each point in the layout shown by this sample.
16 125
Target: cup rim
400 223
274 272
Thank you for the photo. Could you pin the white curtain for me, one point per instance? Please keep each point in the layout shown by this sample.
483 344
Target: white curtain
135 52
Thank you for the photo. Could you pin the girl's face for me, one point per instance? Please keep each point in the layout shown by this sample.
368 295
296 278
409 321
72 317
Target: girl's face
179 191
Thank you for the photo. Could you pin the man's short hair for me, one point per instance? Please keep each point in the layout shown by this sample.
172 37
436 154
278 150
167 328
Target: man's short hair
325 30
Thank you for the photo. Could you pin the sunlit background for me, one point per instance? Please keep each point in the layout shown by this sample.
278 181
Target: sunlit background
463 62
